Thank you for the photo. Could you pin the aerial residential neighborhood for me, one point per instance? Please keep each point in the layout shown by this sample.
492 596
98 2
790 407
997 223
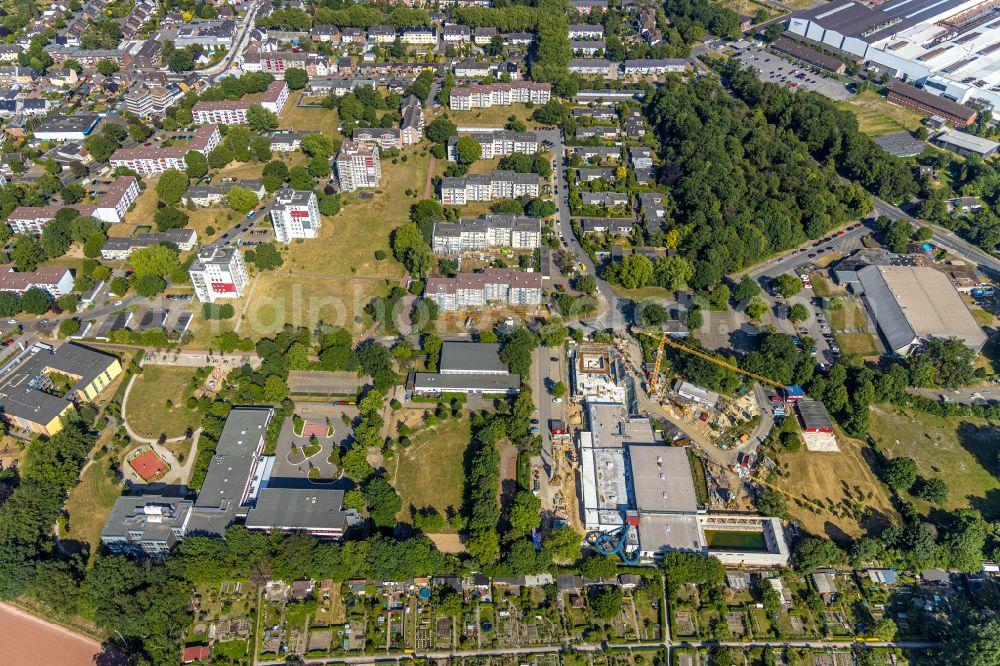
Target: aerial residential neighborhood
562 332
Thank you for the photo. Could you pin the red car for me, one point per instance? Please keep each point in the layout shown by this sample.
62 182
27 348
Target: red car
841 232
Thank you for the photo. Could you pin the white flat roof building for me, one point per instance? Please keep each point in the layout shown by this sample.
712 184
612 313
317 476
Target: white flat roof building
951 47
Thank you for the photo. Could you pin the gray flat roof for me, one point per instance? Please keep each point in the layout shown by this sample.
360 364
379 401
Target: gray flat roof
662 479
471 357
909 302
235 458
611 426
430 381
298 509
662 532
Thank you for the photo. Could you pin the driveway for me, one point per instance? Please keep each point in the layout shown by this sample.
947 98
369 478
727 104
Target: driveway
289 466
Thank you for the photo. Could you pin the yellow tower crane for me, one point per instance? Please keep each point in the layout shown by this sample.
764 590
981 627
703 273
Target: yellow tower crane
666 339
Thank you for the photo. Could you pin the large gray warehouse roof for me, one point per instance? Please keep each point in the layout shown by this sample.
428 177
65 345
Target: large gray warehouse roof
913 302
662 479
471 357
298 509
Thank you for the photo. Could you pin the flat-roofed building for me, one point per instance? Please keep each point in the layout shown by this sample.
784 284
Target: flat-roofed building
468 367
317 511
43 385
515 232
966 144
507 286
911 304
146 524
295 214
218 272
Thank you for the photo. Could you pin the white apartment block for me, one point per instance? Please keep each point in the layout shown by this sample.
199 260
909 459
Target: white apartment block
419 36
499 94
586 31
506 286
488 186
229 112
295 214
218 272
499 144
358 166
147 161
493 231
110 207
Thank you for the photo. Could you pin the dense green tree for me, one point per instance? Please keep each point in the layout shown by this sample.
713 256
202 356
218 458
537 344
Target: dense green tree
35 301
900 473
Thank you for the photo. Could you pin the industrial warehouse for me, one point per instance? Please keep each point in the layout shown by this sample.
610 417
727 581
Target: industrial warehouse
949 47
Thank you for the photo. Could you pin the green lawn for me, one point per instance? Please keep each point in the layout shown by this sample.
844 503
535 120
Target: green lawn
89 504
847 316
877 116
430 472
962 451
857 343
147 411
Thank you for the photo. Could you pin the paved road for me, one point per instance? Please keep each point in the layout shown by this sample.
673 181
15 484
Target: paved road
221 68
942 237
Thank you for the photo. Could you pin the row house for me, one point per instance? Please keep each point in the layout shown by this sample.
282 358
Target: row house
358 166
499 94
352 36
587 48
418 36
489 186
602 132
276 62
597 154
613 226
655 66
652 206
119 248
110 207
407 69
456 34
411 127
89 57
228 112
205 196
499 144
483 36
295 214
507 286
492 231
585 6
147 161
339 86
382 34
604 199
599 114
591 67
471 69
17 76
329 34
218 272
385 138
586 31
586 175
517 39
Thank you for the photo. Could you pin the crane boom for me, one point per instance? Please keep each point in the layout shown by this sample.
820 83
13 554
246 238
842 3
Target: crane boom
666 339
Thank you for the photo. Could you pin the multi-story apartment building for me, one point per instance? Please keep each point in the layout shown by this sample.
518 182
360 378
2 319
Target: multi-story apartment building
488 186
55 281
218 272
143 101
146 525
493 231
358 166
276 62
411 128
499 144
508 286
110 207
151 160
499 94
418 36
228 112
295 214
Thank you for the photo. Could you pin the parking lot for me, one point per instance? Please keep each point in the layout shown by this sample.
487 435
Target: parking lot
775 69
